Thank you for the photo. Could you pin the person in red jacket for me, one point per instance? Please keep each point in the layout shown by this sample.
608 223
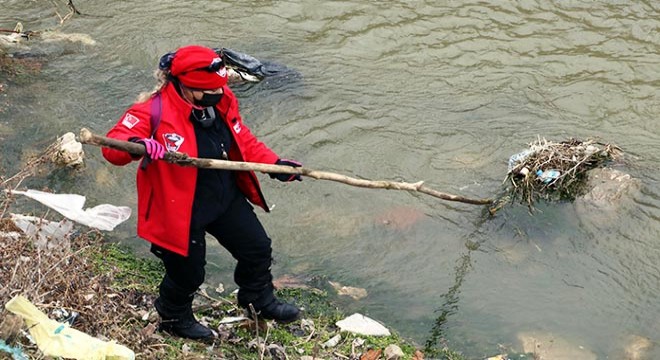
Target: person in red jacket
194 112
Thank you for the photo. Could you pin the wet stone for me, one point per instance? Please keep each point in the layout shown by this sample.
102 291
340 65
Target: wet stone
609 188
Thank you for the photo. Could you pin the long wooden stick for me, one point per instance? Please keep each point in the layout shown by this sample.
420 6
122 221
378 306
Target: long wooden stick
87 137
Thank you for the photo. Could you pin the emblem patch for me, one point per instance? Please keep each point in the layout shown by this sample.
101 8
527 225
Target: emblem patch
130 120
237 127
172 141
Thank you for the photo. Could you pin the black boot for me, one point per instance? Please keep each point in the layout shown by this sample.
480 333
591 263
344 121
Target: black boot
180 321
267 306
280 312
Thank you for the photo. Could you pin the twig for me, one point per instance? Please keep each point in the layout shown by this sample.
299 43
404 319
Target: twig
87 137
13 275
306 340
263 351
310 336
260 345
69 15
29 168
59 262
573 169
73 7
336 353
218 300
6 203
316 348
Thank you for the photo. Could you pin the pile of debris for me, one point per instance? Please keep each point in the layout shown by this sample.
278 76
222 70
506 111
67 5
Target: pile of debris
556 171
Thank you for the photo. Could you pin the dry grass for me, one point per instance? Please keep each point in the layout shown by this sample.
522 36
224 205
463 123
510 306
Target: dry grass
66 277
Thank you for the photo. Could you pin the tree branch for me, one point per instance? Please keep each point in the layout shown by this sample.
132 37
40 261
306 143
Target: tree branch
87 137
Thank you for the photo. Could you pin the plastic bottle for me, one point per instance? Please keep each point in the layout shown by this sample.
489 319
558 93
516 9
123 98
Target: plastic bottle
516 159
548 175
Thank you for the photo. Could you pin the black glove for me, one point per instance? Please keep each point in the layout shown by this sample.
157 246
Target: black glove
286 177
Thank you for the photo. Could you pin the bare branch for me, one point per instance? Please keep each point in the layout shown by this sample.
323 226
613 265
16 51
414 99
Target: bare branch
87 137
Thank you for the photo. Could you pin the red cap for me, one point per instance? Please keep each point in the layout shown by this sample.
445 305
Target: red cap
190 64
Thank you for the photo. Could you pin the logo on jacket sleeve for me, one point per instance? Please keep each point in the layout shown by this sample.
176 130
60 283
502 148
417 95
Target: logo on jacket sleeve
130 120
237 128
173 141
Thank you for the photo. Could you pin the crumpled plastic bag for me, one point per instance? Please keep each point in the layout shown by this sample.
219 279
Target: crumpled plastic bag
102 217
362 325
47 234
58 339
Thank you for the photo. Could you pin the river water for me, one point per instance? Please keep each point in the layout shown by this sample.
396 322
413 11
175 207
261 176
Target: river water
440 91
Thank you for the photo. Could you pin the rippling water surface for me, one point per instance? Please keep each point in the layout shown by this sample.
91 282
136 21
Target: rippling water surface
441 91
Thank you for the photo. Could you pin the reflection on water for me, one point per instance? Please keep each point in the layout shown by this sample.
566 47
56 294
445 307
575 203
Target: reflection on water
438 91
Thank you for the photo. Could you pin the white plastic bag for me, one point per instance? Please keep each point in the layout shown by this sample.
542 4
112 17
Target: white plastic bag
102 217
47 234
362 325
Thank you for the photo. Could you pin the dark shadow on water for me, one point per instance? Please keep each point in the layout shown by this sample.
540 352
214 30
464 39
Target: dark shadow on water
450 301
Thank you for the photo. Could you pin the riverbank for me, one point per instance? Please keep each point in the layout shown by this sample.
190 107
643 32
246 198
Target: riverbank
102 289
112 293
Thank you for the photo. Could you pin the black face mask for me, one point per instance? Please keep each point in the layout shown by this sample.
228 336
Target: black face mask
208 100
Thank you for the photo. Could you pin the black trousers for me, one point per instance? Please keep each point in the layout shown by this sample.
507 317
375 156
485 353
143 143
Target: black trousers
239 231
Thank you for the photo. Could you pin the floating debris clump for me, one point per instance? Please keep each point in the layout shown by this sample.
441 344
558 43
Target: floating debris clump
556 171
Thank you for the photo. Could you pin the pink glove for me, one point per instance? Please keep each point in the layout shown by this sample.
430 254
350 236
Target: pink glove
154 149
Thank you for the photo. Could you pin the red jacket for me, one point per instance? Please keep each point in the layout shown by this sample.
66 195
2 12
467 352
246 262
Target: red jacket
166 191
